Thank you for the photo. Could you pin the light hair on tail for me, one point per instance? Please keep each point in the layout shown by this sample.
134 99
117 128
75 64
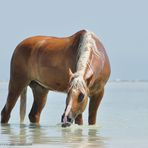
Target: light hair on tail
23 100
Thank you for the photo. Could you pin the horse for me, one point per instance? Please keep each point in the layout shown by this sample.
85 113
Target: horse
77 65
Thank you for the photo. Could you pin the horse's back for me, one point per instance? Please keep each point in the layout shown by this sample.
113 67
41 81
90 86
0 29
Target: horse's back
27 47
43 58
35 42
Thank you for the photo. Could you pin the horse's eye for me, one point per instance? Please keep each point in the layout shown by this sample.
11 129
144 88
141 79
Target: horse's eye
80 97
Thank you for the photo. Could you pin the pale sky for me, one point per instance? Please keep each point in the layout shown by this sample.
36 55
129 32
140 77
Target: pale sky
121 25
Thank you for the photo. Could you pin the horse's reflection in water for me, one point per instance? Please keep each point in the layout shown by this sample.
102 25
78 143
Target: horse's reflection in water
73 136
83 137
39 134
14 134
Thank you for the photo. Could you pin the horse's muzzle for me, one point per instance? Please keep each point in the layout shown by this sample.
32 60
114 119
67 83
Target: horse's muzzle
66 121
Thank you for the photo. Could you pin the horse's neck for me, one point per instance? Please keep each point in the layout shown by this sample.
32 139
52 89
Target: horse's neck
84 51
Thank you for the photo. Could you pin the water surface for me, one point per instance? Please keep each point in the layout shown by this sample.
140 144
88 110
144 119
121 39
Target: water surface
122 121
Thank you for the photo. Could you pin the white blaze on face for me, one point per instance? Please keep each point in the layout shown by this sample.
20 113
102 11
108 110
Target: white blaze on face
68 109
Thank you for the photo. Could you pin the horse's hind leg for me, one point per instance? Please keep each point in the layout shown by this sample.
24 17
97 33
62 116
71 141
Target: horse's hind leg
15 88
93 106
40 97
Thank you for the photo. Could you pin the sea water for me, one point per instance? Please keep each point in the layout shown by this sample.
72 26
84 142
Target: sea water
122 121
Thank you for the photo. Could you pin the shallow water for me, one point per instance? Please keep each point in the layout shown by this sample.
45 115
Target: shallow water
122 121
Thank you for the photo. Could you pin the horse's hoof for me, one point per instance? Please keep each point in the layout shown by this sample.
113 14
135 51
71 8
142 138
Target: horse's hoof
66 124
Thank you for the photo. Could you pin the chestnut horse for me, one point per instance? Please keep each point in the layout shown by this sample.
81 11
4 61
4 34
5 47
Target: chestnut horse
77 65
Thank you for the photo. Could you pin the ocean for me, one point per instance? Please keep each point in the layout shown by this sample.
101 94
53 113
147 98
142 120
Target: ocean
122 121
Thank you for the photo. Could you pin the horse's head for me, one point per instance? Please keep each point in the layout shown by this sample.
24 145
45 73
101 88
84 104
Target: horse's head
77 97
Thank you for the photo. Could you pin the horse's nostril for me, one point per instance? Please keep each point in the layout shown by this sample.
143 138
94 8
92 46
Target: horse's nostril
69 120
66 121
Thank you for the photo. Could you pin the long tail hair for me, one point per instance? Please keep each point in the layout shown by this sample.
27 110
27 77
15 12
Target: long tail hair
23 100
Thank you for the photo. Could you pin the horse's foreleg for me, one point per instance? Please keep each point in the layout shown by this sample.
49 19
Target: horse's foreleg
93 106
40 97
79 120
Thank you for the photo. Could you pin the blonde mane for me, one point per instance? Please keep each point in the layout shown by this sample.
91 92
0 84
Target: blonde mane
87 44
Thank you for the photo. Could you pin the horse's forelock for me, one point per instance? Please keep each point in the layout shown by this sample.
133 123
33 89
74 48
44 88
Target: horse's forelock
78 83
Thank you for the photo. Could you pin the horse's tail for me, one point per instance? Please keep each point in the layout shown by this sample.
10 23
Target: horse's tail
23 104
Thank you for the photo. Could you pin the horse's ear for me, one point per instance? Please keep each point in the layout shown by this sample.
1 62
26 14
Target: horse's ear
70 73
88 77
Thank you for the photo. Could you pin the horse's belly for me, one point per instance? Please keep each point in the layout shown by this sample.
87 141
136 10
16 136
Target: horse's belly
56 87
53 79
